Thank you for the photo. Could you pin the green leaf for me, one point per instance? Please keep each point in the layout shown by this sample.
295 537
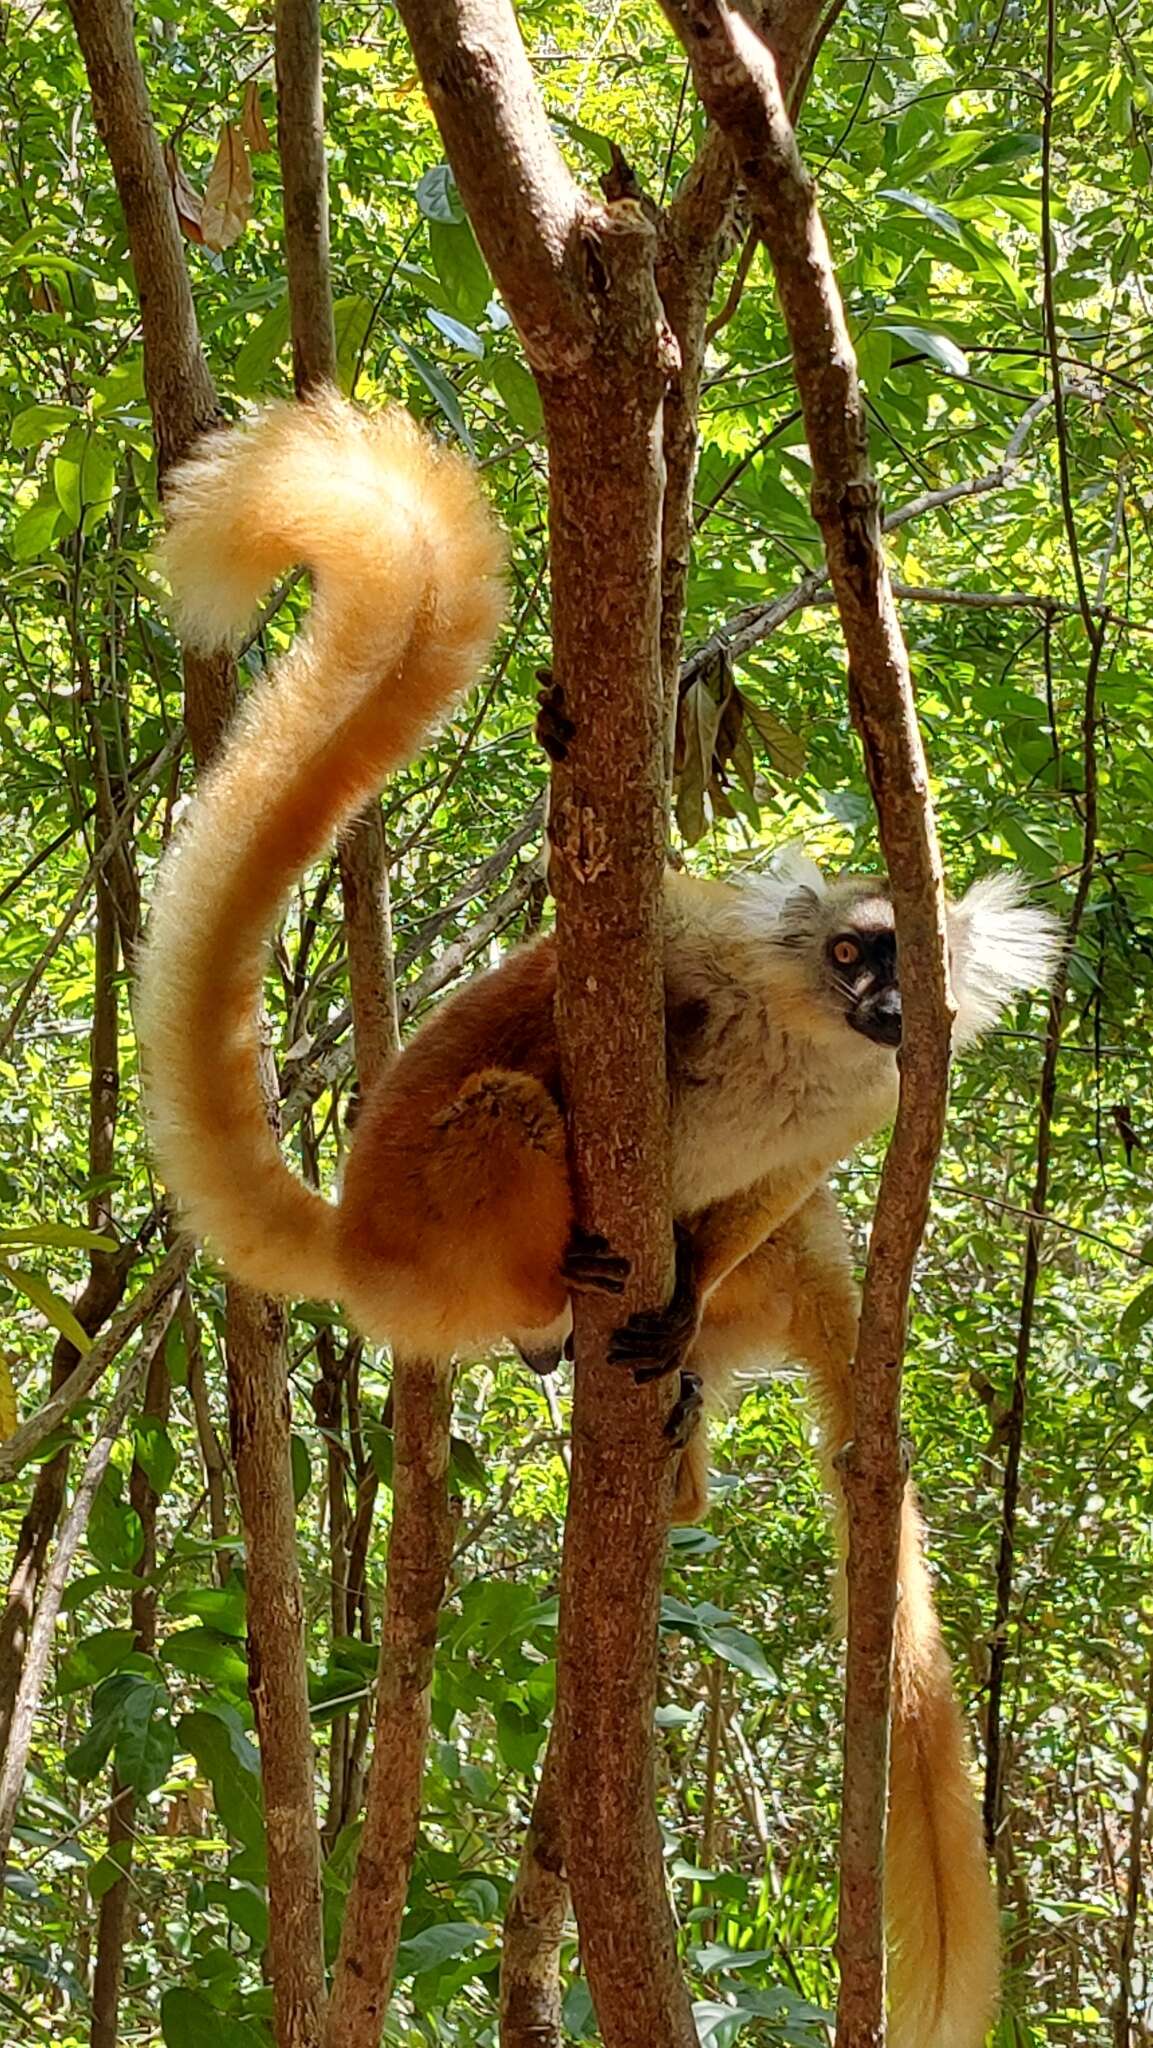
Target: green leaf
464 338
35 528
220 1607
254 365
146 1741
107 1870
37 423
109 1704
598 146
61 1235
189 2020
517 388
155 1453
115 1533
735 1646
351 318
519 1735
461 268
84 477
1139 1313
437 196
919 204
201 1653
438 1944
467 1470
94 1658
246 1906
301 1468
54 1310
231 1764
440 389
927 342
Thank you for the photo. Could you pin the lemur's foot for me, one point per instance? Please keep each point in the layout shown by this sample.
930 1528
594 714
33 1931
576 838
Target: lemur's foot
554 728
685 1414
654 1341
590 1266
544 1360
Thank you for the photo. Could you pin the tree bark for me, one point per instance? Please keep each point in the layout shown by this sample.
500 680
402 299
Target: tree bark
115 1904
739 84
183 404
534 1919
578 279
420 1548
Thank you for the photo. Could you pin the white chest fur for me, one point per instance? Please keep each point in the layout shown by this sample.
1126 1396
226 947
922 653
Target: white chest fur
751 1099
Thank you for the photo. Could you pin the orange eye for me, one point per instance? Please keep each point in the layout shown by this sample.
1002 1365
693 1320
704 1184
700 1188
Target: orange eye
846 952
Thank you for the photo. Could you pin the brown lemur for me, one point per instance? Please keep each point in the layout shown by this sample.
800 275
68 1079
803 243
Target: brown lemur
454 1226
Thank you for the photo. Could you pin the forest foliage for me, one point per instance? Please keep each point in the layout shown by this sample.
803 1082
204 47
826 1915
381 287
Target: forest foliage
925 129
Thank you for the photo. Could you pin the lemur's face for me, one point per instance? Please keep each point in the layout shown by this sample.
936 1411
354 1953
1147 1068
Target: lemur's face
859 968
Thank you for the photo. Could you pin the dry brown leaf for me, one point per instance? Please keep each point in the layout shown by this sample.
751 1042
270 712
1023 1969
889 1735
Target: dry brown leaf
252 123
185 198
228 193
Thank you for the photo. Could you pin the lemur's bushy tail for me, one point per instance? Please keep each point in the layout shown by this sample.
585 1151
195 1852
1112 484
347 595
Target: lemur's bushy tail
406 563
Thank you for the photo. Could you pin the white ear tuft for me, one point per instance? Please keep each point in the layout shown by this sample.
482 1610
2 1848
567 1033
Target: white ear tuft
1000 944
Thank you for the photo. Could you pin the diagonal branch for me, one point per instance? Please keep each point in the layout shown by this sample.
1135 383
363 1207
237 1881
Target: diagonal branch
755 623
738 83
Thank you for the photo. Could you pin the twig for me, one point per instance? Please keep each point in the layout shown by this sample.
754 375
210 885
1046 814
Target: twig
56 1578
757 622
24 1442
1127 1946
1095 632
183 406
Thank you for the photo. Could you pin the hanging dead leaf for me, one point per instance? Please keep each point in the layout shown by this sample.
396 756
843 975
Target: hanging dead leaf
228 193
185 198
785 748
252 123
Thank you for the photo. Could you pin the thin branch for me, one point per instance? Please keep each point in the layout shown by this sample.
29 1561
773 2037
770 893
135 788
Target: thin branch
755 623
420 1546
1127 1946
56 1578
738 83
334 1065
183 405
534 1923
24 1442
300 143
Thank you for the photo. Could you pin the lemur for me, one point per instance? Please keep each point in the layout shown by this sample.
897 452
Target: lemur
454 1226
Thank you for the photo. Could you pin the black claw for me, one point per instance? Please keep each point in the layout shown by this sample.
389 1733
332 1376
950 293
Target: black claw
654 1341
685 1413
591 1267
554 728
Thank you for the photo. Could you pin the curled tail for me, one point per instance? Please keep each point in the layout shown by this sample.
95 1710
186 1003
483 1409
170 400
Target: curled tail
795 1298
405 559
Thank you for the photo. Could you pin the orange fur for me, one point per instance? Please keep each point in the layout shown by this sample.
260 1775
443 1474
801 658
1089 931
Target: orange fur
794 1298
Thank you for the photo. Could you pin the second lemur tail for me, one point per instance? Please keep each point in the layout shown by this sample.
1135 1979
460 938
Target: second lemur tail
406 562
